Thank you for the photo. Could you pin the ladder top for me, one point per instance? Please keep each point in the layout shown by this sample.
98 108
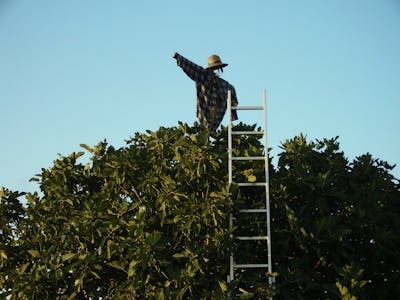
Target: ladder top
248 107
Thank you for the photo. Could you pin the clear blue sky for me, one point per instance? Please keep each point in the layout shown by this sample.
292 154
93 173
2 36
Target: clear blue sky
76 72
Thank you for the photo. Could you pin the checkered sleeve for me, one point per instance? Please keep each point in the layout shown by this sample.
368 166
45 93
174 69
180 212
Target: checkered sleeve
195 72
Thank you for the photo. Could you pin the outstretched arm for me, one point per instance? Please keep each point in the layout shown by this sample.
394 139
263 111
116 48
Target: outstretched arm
195 72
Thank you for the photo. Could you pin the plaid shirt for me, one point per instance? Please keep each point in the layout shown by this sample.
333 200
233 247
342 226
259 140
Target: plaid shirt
212 93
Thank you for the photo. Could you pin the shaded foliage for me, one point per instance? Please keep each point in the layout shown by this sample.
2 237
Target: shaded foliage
337 223
150 221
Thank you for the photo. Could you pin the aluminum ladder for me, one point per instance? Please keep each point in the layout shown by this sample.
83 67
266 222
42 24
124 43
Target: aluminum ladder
234 266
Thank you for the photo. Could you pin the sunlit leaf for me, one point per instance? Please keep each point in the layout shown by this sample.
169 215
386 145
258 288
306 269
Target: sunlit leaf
68 256
34 253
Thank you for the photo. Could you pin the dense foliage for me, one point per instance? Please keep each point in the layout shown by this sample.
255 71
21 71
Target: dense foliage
150 221
337 223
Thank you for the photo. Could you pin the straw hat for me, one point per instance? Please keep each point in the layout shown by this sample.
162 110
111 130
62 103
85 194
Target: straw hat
214 62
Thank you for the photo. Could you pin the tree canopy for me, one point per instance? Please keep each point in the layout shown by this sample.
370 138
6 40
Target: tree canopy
149 220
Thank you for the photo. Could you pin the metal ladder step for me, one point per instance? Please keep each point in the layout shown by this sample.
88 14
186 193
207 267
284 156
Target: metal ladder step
248 132
251 183
245 295
249 158
250 266
253 210
253 238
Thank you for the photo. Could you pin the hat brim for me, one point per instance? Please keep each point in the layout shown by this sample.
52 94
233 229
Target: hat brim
216 66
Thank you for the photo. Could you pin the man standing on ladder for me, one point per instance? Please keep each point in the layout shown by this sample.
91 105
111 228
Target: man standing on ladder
211 90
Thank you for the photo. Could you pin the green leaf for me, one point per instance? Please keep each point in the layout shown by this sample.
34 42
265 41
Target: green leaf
160 295
109 243
79 281
23 268
68 256
223 286
182 292
90 149
179 255
34 253
153 238
251 178
95 274
131 269
117 265
59 274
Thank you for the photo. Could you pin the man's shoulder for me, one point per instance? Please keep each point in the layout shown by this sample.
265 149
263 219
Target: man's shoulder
225 83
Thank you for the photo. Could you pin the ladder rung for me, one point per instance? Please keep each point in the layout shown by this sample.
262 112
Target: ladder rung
248 132
253 210
248 107
245 295
249 158
251 183
252 238
250 266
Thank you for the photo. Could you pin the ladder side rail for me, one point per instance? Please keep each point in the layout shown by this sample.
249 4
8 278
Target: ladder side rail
229 108
267 196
